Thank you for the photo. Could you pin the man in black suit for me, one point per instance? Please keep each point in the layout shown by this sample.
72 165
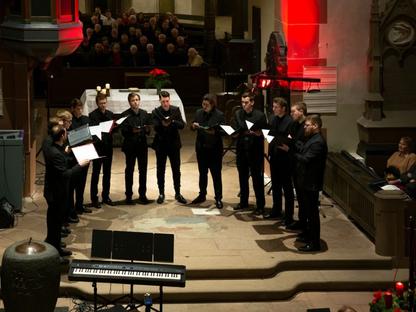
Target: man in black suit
298 113
78 182
167 122
281 162
104 148
134 130
209 148
310 167
250 151
56 189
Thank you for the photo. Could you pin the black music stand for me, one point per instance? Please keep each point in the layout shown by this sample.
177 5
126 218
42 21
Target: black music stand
132 246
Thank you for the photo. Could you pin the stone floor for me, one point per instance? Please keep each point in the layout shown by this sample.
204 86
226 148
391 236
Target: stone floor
235 261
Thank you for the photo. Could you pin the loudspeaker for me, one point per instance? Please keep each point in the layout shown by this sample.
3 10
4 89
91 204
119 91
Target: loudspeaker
237 56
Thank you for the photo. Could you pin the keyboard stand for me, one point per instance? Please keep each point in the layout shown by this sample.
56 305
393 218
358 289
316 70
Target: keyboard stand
133 304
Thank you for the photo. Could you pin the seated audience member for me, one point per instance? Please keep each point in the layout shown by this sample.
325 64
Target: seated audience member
160 46
106 45
125 42
182 50
151 57
147 31
114 35
402 160
132 35
97 34
97 56
115 59
170 58
173 37
132 20
164 29
132 58
142 43
194 59
108 19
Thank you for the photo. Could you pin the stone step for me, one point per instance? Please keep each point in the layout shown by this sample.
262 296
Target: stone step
279 287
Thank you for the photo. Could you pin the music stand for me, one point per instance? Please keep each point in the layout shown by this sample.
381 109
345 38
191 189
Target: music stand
132 246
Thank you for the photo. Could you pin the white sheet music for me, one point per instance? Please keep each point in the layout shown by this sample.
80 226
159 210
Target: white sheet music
249 124
106 126
269 138
265 132
85 152
390 187
228 129
120 121
96 130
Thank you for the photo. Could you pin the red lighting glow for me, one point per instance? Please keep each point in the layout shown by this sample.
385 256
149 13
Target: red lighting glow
300 21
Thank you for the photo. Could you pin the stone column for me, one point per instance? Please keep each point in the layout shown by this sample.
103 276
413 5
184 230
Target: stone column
210 9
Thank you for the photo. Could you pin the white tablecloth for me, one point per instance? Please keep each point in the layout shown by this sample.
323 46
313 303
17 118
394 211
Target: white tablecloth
117 101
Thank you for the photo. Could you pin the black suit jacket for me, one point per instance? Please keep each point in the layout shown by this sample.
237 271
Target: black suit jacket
106 142
212 121
57 175
167 137
133 141
310 163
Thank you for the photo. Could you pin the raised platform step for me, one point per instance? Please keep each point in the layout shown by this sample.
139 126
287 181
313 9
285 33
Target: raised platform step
280 287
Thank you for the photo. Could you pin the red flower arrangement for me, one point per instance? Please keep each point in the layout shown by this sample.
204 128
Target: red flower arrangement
158 79
390 301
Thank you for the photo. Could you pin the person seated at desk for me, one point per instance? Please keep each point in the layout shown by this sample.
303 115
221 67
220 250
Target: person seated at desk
401 161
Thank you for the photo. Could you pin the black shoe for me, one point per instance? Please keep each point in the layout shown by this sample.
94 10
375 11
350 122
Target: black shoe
129 201
240 206
180 199
199 199
96 204
143 200
64 234
108 202
258 212
65 252
309 247
161 199
63 261
65 230
63 244
288 221
218 204
302 239
294 226
273 215
73 219
83 209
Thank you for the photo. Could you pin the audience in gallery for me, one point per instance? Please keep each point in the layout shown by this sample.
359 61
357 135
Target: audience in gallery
132 39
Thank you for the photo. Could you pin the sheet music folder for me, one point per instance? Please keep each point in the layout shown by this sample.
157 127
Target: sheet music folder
79 135
134 246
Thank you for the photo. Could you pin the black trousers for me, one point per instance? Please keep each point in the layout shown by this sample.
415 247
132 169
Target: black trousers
249 164
313 226
77 187
141 155
281 174
210 159
54 217
175 162
104 162
301 197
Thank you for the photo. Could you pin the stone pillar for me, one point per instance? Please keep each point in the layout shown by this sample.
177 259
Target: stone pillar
210 9
18 109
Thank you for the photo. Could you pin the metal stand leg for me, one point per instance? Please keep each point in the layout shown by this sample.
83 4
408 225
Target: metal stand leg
161 298
94 286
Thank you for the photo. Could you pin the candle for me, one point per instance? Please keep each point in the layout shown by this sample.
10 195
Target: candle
107 86
98 88
388 299
399 289
103 91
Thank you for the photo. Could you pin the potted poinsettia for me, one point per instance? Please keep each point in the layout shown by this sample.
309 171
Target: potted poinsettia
158 78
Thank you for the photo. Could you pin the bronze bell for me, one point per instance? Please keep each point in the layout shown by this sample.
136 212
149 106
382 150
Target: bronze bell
30 248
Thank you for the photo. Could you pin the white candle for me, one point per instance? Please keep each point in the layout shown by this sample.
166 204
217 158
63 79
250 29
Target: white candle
107 86
103 91
98 88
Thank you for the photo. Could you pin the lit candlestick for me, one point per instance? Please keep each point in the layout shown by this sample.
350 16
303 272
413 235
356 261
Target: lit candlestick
399 289
98 88
107 86
103 91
